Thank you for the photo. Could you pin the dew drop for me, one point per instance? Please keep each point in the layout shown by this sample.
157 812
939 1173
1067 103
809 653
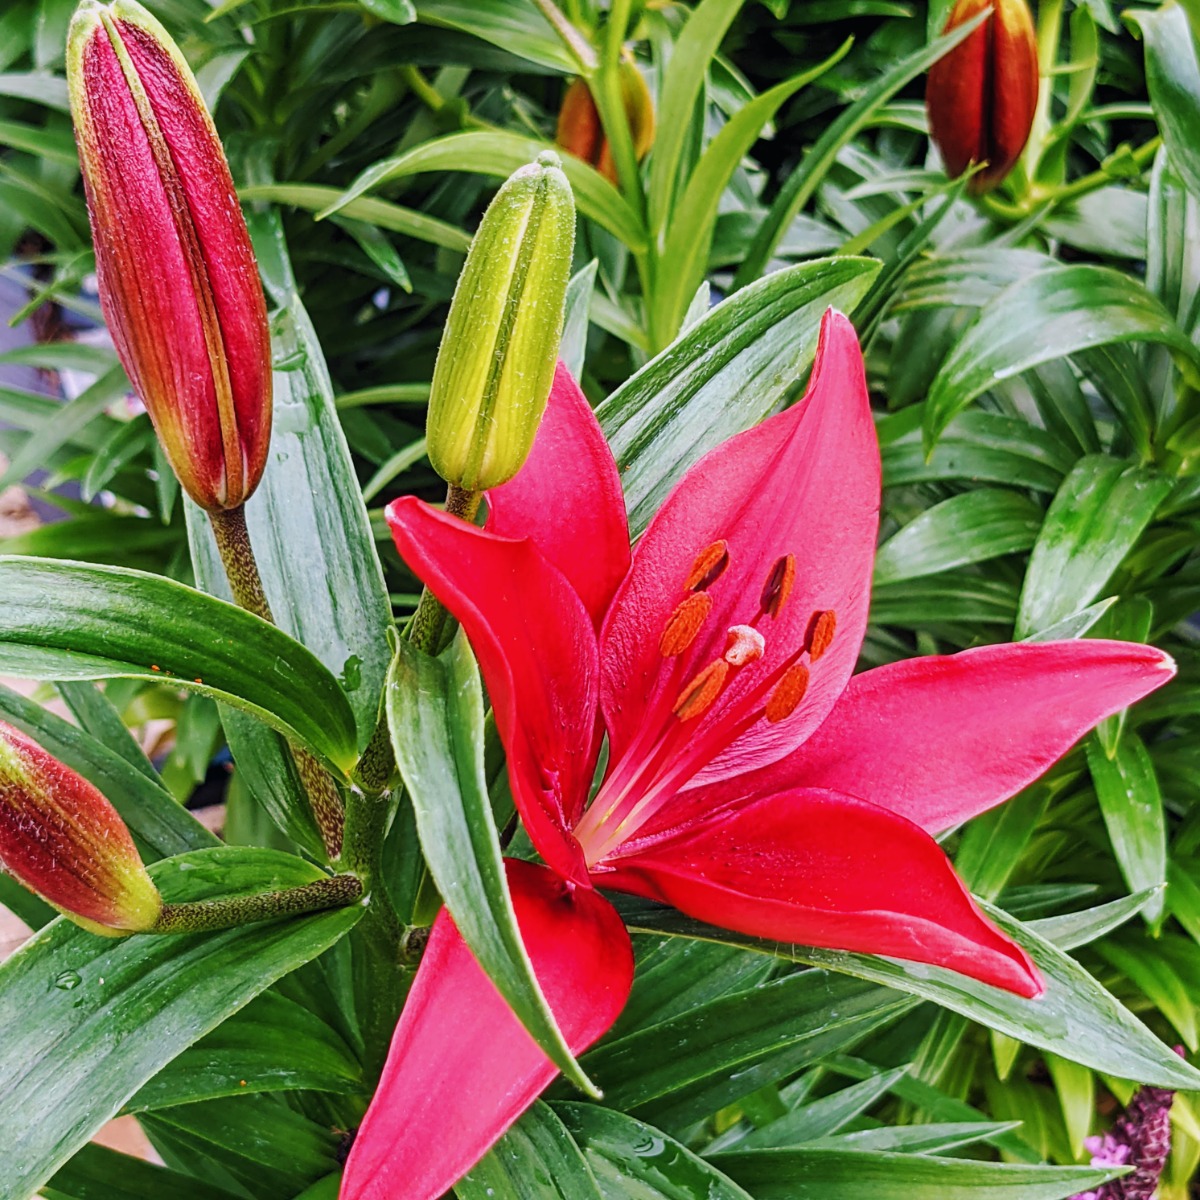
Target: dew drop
68 980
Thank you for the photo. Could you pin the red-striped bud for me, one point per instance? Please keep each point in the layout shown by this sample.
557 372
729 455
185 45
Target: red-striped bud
579 129
62 839
981 96
178 282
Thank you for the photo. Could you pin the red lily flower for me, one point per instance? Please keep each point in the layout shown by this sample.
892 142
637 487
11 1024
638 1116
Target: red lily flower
751 782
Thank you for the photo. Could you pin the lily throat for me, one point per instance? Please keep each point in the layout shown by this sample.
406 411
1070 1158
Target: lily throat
700 714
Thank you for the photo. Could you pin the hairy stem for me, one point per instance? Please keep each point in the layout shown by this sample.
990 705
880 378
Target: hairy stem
428 629
245 581
336 891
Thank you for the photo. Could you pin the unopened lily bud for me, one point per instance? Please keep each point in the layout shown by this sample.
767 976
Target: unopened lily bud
497 356
981 96
581 133
178 281
62 839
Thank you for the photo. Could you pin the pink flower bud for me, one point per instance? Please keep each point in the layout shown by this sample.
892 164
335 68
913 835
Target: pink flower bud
178 282
62 839
981 96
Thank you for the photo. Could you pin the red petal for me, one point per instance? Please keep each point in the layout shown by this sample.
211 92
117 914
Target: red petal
822 869
567 498
942 739
806 483
461 1068
537 651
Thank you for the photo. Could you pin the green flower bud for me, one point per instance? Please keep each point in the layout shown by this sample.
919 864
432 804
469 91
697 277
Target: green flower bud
497 356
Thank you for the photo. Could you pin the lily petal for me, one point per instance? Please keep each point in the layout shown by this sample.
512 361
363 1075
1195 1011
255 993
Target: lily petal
567 498
823 869
943 738
803 483
461 1068
537 651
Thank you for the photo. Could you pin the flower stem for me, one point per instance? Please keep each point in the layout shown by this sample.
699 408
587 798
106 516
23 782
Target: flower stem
570 37
245 581
241 567
335 891
428 628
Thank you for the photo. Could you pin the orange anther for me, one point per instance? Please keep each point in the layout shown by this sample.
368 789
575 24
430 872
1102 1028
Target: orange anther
709 566
779 585
788 693
820 633
697 697
744 644
684 623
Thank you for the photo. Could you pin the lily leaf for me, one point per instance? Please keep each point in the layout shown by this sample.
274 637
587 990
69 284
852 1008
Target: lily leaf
88 1020
1075 1018
435 711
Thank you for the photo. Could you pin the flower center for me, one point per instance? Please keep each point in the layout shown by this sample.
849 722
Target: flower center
671 749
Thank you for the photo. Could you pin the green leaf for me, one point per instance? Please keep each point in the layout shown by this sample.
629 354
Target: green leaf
537 1159
689 236
1075 1017
97 1173
803 182
971 527
68 421
572 348
159 826
259 1142
38 86
817 1174
1173 80
981 447
88 1020
807 1122
271 1045
516 26
368 209
726 373
1132 804
1097 517
70 621
399 12
631 1159
682 1069
1071 930
1047 316
500 154
683 82
919 1139
435 711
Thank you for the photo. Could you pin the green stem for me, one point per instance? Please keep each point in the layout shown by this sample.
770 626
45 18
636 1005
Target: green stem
237 555
245 581
610 100
336 891
428 628
570 37
1049 33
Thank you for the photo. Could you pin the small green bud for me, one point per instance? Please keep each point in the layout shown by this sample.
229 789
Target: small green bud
497 356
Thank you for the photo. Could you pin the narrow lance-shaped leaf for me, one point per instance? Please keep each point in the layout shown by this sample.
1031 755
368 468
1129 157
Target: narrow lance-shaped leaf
71 621
435 711
88 1020
1075 1017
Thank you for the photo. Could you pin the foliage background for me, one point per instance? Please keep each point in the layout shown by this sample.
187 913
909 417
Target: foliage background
1034 367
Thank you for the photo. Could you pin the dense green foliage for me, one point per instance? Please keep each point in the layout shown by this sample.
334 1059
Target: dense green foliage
1033 358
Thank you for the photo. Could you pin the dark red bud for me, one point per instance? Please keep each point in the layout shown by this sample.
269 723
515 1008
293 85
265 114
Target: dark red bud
981 96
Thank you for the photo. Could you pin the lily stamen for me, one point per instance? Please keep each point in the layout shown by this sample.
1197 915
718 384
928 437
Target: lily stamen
708 567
